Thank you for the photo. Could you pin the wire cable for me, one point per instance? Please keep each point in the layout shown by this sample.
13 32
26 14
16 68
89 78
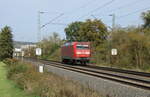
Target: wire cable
82 6
102 6
52 20
128 14
126 5
133 12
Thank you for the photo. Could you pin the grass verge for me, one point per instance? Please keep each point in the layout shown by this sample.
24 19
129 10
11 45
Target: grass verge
46 84
7 87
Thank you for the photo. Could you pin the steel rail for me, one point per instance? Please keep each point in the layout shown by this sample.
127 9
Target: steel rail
143 74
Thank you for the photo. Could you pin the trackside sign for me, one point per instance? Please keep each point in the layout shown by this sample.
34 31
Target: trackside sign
38 51
114 52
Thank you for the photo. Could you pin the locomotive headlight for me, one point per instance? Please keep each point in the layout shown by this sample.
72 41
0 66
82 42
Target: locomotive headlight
87 52
78 52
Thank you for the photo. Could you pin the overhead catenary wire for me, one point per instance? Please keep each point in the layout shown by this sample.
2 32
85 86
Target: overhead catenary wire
63 24
128 14
121 7
107 3
89 2
102 6
52 20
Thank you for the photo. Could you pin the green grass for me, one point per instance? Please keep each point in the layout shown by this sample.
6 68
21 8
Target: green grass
7 87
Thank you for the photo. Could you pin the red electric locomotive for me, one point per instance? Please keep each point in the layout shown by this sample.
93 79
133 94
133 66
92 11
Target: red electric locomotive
76 52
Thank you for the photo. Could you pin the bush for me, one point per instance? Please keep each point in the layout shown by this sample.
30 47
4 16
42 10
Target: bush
10 62
55 86
16 69
46 84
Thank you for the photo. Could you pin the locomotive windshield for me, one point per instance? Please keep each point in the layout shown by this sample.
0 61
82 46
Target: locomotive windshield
82 47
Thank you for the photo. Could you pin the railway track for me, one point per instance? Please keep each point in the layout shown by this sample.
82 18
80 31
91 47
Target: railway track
127 77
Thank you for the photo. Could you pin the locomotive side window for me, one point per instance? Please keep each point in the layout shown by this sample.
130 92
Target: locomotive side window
82 47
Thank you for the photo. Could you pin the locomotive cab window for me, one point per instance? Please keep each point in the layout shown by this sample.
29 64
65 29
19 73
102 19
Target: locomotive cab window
82 47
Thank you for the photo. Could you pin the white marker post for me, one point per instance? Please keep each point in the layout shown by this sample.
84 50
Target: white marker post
41 68
39 53
114 52
22 54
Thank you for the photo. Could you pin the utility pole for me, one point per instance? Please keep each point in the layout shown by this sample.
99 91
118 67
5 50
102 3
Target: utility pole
110 43
42 26
39 25
113 21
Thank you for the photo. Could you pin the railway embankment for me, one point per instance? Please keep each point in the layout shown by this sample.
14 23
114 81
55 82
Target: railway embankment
27 77
106 86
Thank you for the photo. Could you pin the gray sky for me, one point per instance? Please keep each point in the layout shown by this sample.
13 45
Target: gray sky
22 17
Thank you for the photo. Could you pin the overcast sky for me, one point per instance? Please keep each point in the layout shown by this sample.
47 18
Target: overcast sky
22 15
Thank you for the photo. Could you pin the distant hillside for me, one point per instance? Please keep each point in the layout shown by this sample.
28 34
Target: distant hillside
18 44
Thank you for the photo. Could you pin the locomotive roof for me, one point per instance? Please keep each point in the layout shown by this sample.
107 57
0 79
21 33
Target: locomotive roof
73 43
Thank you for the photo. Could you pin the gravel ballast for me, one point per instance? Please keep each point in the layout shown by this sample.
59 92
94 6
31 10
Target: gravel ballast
105 87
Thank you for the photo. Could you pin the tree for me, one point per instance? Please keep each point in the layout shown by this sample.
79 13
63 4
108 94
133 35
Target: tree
51 47
72 31
91 30
6 43
133 48
146 18
139 49
94 31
